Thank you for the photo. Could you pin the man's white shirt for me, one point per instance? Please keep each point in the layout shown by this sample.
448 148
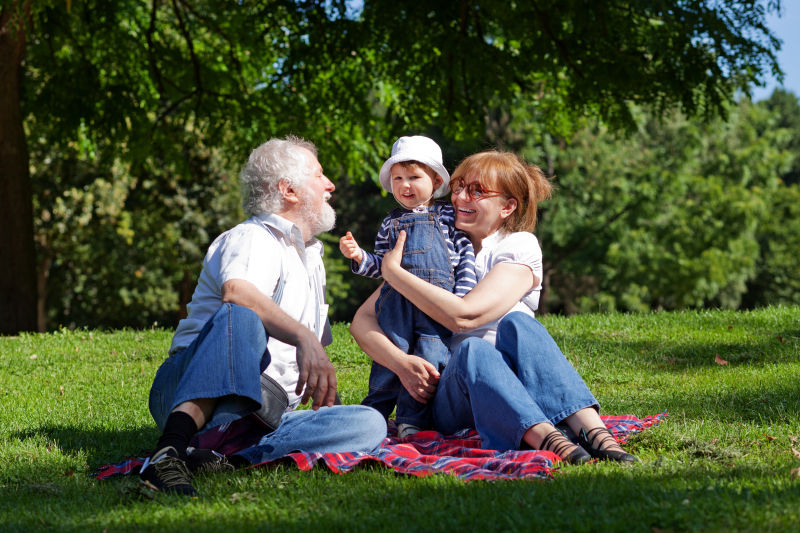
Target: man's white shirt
267 251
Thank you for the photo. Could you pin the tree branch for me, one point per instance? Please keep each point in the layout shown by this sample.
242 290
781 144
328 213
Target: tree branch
192 54
151 49
544 20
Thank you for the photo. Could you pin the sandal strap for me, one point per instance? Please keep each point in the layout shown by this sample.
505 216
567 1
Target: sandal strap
556 442
601 433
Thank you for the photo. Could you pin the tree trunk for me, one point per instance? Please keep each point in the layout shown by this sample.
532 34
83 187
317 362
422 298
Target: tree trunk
17 251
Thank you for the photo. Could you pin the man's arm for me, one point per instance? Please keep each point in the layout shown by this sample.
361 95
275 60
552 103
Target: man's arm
316 371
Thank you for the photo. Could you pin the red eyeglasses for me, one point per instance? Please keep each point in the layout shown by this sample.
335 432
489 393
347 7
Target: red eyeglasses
475 190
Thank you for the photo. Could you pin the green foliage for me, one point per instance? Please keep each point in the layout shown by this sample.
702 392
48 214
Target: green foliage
785 109
138 116
570 59
669 217
120 246
777 279
721 461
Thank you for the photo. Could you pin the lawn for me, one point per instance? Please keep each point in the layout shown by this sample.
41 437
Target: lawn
722 461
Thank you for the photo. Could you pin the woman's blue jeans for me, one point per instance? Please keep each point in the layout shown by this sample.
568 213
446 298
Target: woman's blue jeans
502 390
225 362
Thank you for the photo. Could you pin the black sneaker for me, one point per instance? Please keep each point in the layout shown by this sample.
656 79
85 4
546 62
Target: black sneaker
165 471
202 460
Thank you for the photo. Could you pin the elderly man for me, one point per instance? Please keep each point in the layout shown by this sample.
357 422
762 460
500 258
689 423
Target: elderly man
252 343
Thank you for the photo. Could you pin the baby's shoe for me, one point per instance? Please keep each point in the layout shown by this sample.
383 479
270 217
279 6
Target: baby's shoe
406 430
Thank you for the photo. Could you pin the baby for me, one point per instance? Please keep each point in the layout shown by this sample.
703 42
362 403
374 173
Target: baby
434 251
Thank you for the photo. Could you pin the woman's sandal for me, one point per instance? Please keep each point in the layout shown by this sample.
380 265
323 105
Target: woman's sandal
556 442
588 440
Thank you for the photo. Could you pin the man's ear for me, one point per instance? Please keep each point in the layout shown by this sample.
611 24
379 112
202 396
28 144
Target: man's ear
288 192
509 207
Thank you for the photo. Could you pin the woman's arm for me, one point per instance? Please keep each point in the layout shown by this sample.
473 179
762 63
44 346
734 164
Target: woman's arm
492 297
418 376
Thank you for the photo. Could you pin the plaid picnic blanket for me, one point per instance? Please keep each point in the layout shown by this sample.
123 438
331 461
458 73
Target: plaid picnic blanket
429 452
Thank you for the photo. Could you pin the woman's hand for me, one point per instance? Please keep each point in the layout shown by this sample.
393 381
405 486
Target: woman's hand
393 258
418 377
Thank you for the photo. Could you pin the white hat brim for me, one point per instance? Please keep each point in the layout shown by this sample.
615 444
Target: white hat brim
386 171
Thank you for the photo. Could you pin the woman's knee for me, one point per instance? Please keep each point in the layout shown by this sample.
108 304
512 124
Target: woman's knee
518 325
519 333
474 354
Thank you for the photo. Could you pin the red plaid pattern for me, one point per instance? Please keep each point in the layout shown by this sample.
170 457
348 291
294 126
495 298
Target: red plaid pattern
428 453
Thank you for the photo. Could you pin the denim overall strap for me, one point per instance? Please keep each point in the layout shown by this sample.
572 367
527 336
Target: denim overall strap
425 253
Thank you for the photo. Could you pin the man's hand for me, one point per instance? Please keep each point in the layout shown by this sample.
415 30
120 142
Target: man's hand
419 378
316 373
350 248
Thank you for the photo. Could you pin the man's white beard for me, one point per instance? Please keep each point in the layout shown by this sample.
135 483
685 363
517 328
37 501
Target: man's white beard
318 222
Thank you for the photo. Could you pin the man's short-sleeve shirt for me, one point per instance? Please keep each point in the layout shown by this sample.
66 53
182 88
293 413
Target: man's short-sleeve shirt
264 250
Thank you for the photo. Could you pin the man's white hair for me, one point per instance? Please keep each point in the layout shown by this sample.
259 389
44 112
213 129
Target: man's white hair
273 161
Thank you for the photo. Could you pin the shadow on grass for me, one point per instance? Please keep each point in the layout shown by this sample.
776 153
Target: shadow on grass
678 356
100 446
643 498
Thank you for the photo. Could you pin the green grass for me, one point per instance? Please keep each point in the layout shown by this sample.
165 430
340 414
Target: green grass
722 461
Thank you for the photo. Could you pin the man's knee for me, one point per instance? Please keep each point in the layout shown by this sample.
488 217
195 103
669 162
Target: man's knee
233 313
239 320
372 424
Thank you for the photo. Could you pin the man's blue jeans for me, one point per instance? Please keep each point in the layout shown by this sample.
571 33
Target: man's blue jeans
503 389
225 362
425 255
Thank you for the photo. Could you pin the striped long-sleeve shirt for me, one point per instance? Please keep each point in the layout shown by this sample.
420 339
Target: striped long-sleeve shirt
459 247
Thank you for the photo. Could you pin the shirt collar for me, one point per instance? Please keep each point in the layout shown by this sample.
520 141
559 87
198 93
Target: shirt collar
490 240
291 233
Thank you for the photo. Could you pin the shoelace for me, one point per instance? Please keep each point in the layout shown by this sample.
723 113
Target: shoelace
172 472
212 466
557 443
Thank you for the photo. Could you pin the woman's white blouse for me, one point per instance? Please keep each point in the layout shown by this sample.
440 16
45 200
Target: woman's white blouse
520 248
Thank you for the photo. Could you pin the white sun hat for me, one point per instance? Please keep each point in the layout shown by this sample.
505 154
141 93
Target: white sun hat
416 148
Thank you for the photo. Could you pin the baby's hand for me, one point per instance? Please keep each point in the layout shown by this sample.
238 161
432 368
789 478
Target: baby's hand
350 248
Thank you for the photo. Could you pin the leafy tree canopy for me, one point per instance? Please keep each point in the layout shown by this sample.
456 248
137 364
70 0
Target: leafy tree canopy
680 214
143 84
130 71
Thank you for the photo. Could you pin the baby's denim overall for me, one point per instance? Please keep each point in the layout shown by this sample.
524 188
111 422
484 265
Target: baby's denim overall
425 255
